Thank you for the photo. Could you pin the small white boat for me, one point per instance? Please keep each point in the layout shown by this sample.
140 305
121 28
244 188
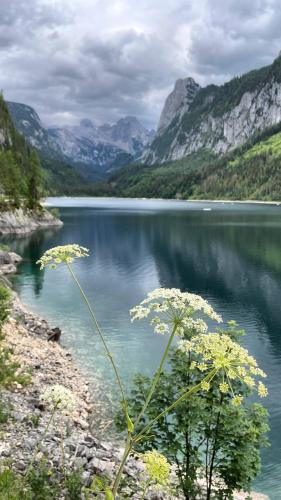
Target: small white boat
207 209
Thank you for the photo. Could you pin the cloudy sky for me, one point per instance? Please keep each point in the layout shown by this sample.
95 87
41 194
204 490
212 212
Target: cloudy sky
104 59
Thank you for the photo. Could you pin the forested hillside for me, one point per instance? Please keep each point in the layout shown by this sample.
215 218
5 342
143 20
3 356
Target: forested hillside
20 171
250 172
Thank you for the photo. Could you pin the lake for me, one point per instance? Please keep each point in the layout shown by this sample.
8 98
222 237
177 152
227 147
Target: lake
228 253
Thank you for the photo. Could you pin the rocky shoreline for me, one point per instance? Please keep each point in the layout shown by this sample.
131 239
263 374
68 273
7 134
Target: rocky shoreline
20 221
37 351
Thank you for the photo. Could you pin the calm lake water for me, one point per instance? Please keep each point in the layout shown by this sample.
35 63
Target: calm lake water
228 253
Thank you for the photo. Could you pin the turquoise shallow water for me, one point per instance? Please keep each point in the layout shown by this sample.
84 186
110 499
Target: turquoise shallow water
228 253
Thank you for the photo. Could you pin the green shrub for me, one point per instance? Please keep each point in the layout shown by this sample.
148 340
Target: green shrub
42 482
204 435
4 248
13 487
5 301
4 413
73 484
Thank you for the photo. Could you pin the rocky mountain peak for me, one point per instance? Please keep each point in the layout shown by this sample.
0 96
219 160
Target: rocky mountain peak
128 127
179 99
93 148
217 118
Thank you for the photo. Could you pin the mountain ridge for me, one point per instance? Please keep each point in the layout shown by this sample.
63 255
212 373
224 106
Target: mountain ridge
218 118
89 148
249 172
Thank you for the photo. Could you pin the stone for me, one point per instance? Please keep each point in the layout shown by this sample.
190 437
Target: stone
101 465
79 462
22 221
86 478
54 335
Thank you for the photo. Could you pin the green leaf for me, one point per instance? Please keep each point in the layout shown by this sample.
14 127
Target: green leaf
109 494
130 424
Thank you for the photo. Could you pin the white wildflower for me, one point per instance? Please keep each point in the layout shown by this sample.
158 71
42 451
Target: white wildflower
161 328
58 396
66 253
170 307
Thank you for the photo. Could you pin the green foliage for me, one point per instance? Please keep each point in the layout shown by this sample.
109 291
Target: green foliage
162 181
33 420
4 413
42 483
5 300
61 178
206 435
99 485
39 484
19 166
12 486
247 173
73 484
4 248
34 180
8 368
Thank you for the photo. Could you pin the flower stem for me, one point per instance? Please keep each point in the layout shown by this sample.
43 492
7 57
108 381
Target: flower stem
184 396
155 380
110 356
127 451
62 456
146 486
40 441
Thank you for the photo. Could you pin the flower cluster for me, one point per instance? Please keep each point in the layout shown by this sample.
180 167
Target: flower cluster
59 397
231 361
170 307
66 253
157 467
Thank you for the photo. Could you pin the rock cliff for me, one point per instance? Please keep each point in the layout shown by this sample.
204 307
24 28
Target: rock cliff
217 118
21 221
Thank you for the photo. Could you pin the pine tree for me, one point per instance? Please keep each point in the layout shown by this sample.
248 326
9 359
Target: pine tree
34 182
11 178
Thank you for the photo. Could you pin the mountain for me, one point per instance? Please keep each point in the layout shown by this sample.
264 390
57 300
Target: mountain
29 125
216 118
58 176
103 148
251 171
92 150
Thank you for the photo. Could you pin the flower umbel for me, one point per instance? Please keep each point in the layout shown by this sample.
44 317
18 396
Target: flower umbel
170 306
58 396
157 467
231 361
66 253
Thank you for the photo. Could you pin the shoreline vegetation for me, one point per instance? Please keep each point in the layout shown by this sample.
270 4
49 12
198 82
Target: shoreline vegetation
48 363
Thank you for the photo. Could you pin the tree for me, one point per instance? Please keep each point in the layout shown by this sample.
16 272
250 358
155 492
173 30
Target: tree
11 178
215 444
34 181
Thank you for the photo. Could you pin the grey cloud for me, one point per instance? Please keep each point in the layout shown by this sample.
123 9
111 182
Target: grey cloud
20 20
236 37
106 59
